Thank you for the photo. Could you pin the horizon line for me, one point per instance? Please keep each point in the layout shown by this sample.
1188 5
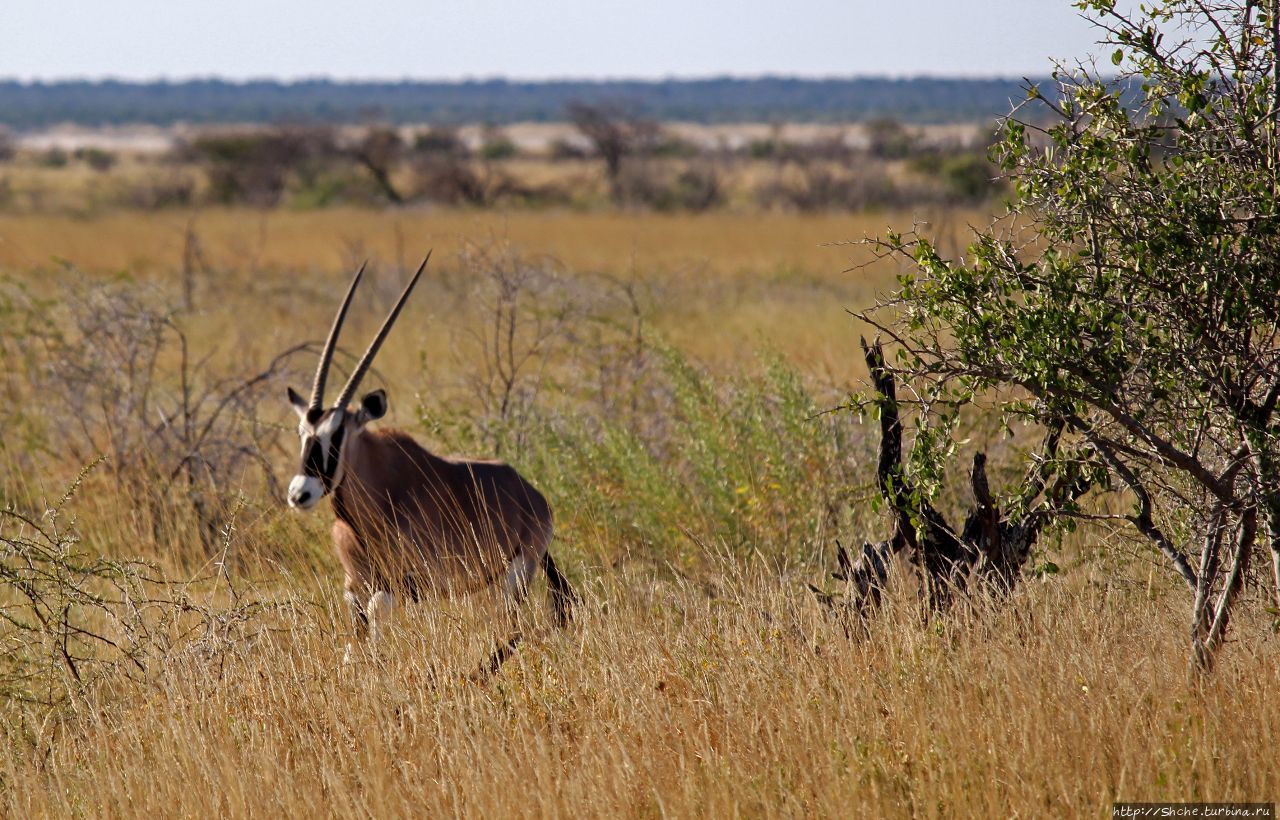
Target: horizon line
303 79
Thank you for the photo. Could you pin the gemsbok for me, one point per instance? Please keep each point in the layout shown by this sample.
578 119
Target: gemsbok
409 522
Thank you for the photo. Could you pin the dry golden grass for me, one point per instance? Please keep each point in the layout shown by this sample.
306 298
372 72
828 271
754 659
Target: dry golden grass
720 691
664 701
722 285
720 244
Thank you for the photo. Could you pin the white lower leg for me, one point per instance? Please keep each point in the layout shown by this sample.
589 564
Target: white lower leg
359 625
378 610
519 573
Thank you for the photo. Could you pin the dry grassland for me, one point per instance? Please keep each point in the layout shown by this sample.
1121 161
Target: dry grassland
719 285
664 701
700 679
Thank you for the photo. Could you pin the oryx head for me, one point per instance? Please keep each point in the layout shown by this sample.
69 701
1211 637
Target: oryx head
325 431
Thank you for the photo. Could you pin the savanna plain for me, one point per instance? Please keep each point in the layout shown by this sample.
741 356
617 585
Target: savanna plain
666 380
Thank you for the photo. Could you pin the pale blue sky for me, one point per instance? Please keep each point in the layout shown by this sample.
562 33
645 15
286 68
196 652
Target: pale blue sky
392 39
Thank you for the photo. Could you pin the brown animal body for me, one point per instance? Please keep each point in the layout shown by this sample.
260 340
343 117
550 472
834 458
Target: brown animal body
409 522
455 528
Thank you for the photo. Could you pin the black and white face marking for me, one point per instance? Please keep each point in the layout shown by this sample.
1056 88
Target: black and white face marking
323 432
320 469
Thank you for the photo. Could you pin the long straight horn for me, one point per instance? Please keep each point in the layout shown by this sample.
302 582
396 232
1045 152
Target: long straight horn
356 375
326 356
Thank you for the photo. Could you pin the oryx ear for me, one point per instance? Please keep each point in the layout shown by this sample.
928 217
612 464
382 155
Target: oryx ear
372 406
299 403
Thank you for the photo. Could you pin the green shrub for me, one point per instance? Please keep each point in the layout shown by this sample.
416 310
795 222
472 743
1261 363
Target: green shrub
53 158
498 148
748 465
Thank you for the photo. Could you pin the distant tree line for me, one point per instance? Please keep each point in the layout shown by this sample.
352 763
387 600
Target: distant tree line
915 100
644 164
641 163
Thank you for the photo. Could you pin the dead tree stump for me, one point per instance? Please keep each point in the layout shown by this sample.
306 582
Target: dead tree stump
988 553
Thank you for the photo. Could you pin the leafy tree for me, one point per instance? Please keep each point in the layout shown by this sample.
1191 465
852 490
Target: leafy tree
379 152
497 146
255 167
887 139
969 177
615 135
1131 295
97 159
440 139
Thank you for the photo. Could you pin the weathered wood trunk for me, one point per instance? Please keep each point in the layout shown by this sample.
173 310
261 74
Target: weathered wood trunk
988 553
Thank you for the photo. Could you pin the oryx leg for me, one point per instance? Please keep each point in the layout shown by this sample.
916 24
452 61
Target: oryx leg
369 620
515 587
359 624
370 610
515 584
561 593
378 612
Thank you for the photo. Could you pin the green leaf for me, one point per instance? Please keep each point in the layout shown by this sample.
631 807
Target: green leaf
1047 568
